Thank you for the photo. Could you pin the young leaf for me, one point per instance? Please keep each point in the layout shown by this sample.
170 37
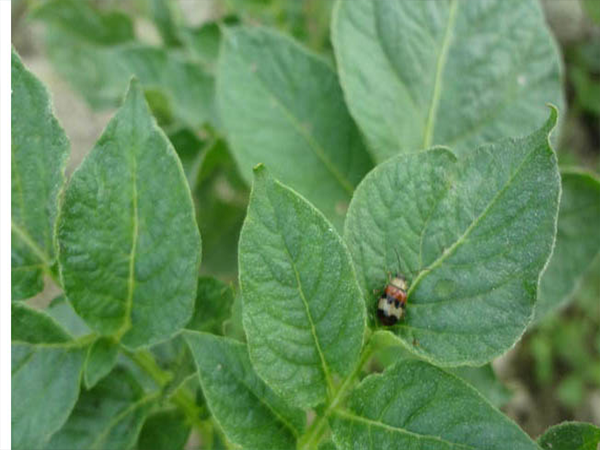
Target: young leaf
416 405
577 241
213 306
302 308
164 430
268 82
46 368
39 153
129 247
417 74
109 416
571 436
101 358
249 413
471 236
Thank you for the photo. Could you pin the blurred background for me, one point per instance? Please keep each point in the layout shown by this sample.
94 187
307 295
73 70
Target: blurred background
553 373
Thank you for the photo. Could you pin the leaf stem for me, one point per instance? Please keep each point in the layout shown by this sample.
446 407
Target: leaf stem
319 426
182 398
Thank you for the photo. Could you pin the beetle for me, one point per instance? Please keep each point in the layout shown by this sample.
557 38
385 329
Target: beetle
392 303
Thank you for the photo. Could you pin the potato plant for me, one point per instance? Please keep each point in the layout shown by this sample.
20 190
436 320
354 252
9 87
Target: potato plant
422 147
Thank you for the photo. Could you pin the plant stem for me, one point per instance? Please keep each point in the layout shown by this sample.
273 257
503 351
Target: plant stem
182 398
319 426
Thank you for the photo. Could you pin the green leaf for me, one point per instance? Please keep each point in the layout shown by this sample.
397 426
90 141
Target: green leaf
471 236
167 18
189 88
83 21
35 327
302 308
174 356
164 430
94 71
81 46
577 241
101 358
268 82
213 305
249 413
61 310
39 152
109 416
484 380
570 436
416 405
45 372
223 199
129 249
204 43
417 74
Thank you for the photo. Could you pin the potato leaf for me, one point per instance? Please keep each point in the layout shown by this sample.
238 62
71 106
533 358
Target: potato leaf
303 313
416 405
110 416
46 367
457 73
248 411
283 106
39 153
471 236
571 436
129 247
577 241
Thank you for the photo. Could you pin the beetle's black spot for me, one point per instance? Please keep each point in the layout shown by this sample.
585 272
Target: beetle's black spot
385 319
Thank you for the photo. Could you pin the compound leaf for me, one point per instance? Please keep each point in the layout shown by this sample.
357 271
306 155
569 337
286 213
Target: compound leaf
129 247
571 436
471 236
268 82
46 368
577 241
248 411
416 405
302 308
110 416
417 74
39 153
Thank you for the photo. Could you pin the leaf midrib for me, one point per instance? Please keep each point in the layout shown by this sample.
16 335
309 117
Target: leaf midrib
437 86
313 330
373 423
450 250
317 149
30 243
111 424
131 274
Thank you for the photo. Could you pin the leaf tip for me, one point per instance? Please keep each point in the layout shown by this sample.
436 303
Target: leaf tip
553 119
260 171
